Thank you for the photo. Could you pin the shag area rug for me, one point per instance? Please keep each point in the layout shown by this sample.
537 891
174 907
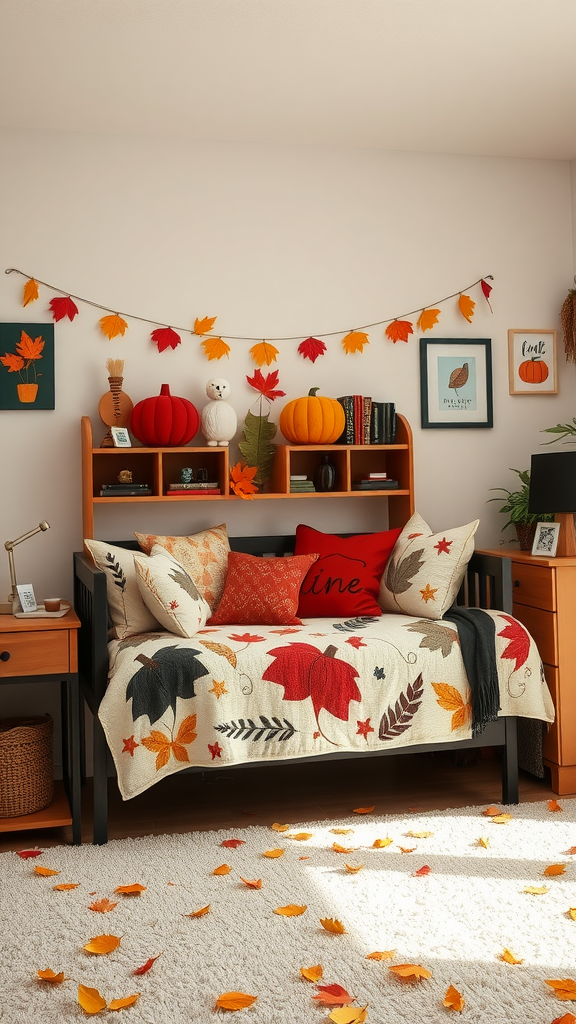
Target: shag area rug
473 907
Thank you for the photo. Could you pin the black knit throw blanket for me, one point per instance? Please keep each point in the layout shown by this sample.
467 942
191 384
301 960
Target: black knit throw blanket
477 635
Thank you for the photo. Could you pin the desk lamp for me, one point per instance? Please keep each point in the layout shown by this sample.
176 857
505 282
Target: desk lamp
13 602
553 489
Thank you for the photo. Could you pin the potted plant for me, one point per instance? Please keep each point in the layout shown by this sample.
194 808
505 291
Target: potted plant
516 508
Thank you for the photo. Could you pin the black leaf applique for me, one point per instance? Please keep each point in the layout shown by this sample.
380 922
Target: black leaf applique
170 673
246 729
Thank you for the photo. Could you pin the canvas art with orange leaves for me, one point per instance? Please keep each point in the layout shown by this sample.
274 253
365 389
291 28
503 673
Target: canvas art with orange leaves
27 366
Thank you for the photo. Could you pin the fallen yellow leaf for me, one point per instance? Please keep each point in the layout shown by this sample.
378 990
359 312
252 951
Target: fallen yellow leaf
349 1015
51 977
386 954
234 1001
508 957
273 853
410 971
312 973
90 999
379 844
292 910
554 869
407 849
502 819
484 841
453 1000
102 944
330 924
553 805
419 835
535 890
199 913
342 831
279 828
120 1004
45 872
223 869
572 913
66 886
130 890
344 849
103 906
363 810
564 988
353 868
254 883
301 836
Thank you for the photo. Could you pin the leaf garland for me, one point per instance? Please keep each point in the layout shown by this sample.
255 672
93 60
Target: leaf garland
63 306
165 337
399 330
30 292
355 342
311 349
215 348
204 325
264 353
113 325
466 306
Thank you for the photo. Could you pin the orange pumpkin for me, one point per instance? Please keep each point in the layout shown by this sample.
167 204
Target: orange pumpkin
533 371
312 419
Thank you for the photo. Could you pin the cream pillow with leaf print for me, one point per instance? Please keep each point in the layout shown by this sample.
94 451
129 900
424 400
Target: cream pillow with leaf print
425 570
169 592
128 613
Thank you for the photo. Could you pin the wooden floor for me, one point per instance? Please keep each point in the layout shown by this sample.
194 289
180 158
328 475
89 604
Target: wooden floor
295 793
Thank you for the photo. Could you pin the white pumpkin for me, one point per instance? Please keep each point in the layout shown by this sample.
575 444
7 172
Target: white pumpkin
219 421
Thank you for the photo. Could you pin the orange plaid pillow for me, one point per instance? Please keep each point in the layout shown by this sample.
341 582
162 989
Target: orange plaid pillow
261 591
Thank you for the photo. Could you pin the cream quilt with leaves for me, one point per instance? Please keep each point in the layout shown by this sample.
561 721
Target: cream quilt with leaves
231 695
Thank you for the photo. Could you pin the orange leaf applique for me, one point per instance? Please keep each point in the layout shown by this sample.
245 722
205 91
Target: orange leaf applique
215 348
223 869
399 330
66 886
204 325
553 805
354 342
466 306
450 699
428 318
44 872
234 1001
90 999
330 924
379 844
30 292
159 743
353 868
410 971
453 1000
263 353
113 325
554 869
241 480
199 913
102 944
508 957
130 890
252 883
28 348
103 906
51 977
386 954
120 1004
273 854
363 810
146 967
279 828
12 362
564 988
332 995
292 910
312 973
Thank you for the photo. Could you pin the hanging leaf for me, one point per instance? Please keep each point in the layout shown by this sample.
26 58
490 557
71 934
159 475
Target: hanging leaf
311 348
204 325
90 999
257 447
399 330
50 977
234 1001
428 319
30 292
165 337
332 995
63 306
263 353
113 325
410 971
466 306
266 385
354 342
312 973
45 872
332 925
241 480
136 888
120 1004
215 348
453 1000
568 322
486 289
103 906
273 854
450 699
102 944
292 910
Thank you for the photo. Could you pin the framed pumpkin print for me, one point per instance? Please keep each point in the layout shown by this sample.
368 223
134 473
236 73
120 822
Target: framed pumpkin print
532 364
456 382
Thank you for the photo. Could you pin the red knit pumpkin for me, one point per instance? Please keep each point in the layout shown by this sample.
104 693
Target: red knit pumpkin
164 421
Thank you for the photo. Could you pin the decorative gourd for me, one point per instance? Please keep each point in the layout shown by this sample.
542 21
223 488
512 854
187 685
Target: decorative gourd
164 421
533 371
325 475
312 419
219 421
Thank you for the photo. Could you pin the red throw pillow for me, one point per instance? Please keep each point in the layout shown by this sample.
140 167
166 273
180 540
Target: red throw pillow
262 591
345 581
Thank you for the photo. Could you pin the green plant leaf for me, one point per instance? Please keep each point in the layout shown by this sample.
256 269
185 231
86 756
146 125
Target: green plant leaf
257 447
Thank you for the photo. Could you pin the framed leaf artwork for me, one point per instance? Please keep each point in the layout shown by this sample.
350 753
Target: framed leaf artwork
532 365
456 382
27 366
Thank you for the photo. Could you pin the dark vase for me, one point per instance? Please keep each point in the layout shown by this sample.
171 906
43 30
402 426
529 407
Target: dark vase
325 475
525 533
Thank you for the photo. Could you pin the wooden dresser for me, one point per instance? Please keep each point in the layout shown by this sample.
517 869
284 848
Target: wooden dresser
545 602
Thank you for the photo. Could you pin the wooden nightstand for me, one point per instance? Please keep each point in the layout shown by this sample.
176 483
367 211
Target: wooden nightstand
544 592
46 650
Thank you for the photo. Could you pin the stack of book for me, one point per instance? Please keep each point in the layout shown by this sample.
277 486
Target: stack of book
196 487
367 422
375 482
124 490
300 484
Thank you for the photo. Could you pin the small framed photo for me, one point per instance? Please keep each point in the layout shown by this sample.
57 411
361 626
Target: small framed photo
532 368
121 437
27 597
456 382
546 539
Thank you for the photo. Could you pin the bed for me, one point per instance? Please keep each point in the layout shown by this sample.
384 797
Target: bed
330 688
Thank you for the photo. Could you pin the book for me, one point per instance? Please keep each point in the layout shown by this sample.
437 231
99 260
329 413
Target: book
389 423
303 487
298 476
347 435
377 423
377 476
201 491
196 485
374 485
122 487
126 493
366 413
358 418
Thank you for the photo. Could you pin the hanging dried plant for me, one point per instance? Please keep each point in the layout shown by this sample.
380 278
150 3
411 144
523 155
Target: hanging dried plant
568 321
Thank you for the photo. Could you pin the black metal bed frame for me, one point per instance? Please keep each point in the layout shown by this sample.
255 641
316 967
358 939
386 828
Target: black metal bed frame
488 584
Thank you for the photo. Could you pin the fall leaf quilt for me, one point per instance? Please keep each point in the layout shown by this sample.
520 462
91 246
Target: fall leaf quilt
231 695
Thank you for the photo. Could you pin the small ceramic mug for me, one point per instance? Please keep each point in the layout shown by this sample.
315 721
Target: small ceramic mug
52 604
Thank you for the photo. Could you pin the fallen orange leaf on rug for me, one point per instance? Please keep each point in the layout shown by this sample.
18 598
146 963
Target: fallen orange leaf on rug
233 843
120 1004
223 869
146 967
453 1000
101 944
379 844
65 886
363 810
90 999
344 849
234 1001
332 995
312 973
292 910
252 883
330 924
273 853
51 977
353 868
45 872
199 913
349 1015
130 890
410 971
491 811
103 906
536 890
553 805
341 831
564 988
279 828
508 957
554 869
387 954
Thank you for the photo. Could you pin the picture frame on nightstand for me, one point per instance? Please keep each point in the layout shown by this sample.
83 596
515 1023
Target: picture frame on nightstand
546 539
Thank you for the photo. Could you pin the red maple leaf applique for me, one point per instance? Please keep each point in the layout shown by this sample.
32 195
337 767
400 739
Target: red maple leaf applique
245 638
129 746
364 728
355 641
215 749
266 385
443 546
519 645
311 348
63 306
305 671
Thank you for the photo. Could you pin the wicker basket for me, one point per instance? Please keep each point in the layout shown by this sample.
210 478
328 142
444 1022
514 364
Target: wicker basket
26 776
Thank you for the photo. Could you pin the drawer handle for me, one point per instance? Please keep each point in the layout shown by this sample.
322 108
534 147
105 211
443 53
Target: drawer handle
516 583
5 656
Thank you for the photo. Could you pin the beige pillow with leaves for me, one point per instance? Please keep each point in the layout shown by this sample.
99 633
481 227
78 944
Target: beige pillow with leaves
169 592
203 555
425 570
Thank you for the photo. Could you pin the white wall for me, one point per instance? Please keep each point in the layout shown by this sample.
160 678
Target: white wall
274 241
